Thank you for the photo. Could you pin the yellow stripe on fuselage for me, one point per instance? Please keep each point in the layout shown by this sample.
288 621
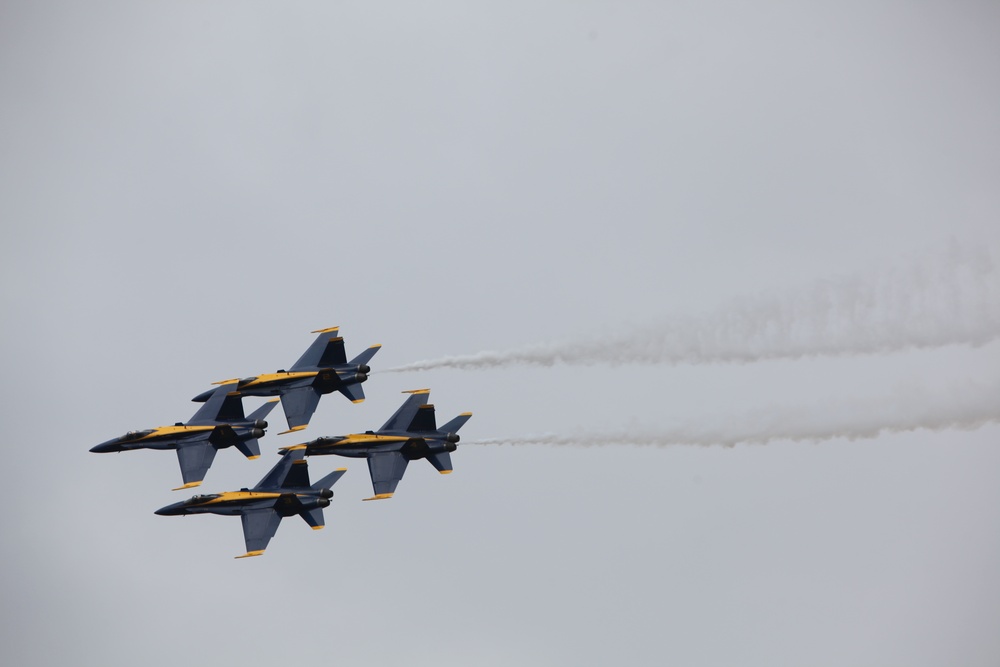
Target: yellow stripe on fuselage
231 496
368 438
167 431
269 378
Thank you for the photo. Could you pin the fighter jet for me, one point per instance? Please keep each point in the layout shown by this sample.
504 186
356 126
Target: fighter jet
216 425
410 434
322 369
284 491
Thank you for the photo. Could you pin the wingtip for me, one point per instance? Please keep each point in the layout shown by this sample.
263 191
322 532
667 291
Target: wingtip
254 456
189 485
294 429
375 346
251 554
379 496
446 472
358 400
318 527
465 414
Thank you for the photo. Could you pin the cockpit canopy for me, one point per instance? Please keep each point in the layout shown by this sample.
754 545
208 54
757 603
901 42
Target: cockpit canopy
135 435
202 497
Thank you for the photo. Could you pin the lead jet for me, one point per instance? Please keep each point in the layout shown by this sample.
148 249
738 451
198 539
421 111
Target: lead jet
322 369
284 491
216 425
410 434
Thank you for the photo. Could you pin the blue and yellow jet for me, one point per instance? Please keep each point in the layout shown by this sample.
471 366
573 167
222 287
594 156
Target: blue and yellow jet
284 491
410 434
322 369
216 425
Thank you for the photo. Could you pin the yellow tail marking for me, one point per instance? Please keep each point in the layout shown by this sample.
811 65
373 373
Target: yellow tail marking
318 527
251 458
417 391
251 554
379 496
326 330
293 447
189 485
358 400
376 345
227 381
446 472
465 414
274 400
294 429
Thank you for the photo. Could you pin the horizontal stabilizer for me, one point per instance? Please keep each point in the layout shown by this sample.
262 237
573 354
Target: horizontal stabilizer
249 448
456 423
330 479
263 411
441 461
354 392
314 518
365 356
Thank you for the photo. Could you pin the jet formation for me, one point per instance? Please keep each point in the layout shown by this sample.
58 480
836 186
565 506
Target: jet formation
411 433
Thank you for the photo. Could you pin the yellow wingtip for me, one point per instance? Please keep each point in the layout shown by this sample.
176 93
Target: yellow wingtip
465 414
375 346
251 554
255 456
358 400
318 527
446 472
294 429
379 496
189 485
340 470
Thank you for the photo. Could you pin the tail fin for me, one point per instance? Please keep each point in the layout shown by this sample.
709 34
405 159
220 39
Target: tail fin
365 356
456 423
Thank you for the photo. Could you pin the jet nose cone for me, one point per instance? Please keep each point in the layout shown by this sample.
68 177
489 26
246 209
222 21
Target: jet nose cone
104 447
171 510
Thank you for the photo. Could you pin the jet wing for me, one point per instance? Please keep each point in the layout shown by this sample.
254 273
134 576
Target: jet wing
401 419
328 346
195 459
259 526
299 406
386 469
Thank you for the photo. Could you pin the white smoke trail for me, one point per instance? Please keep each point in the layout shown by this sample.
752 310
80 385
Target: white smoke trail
953 298
968 407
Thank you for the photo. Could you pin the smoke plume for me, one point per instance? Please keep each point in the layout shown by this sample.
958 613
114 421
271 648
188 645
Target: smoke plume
967 407
950 299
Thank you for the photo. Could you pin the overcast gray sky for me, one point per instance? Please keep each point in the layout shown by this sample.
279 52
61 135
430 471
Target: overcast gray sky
187 189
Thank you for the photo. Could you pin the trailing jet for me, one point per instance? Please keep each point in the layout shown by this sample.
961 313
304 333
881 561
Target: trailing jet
411 433
322 369
284 491
216 425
